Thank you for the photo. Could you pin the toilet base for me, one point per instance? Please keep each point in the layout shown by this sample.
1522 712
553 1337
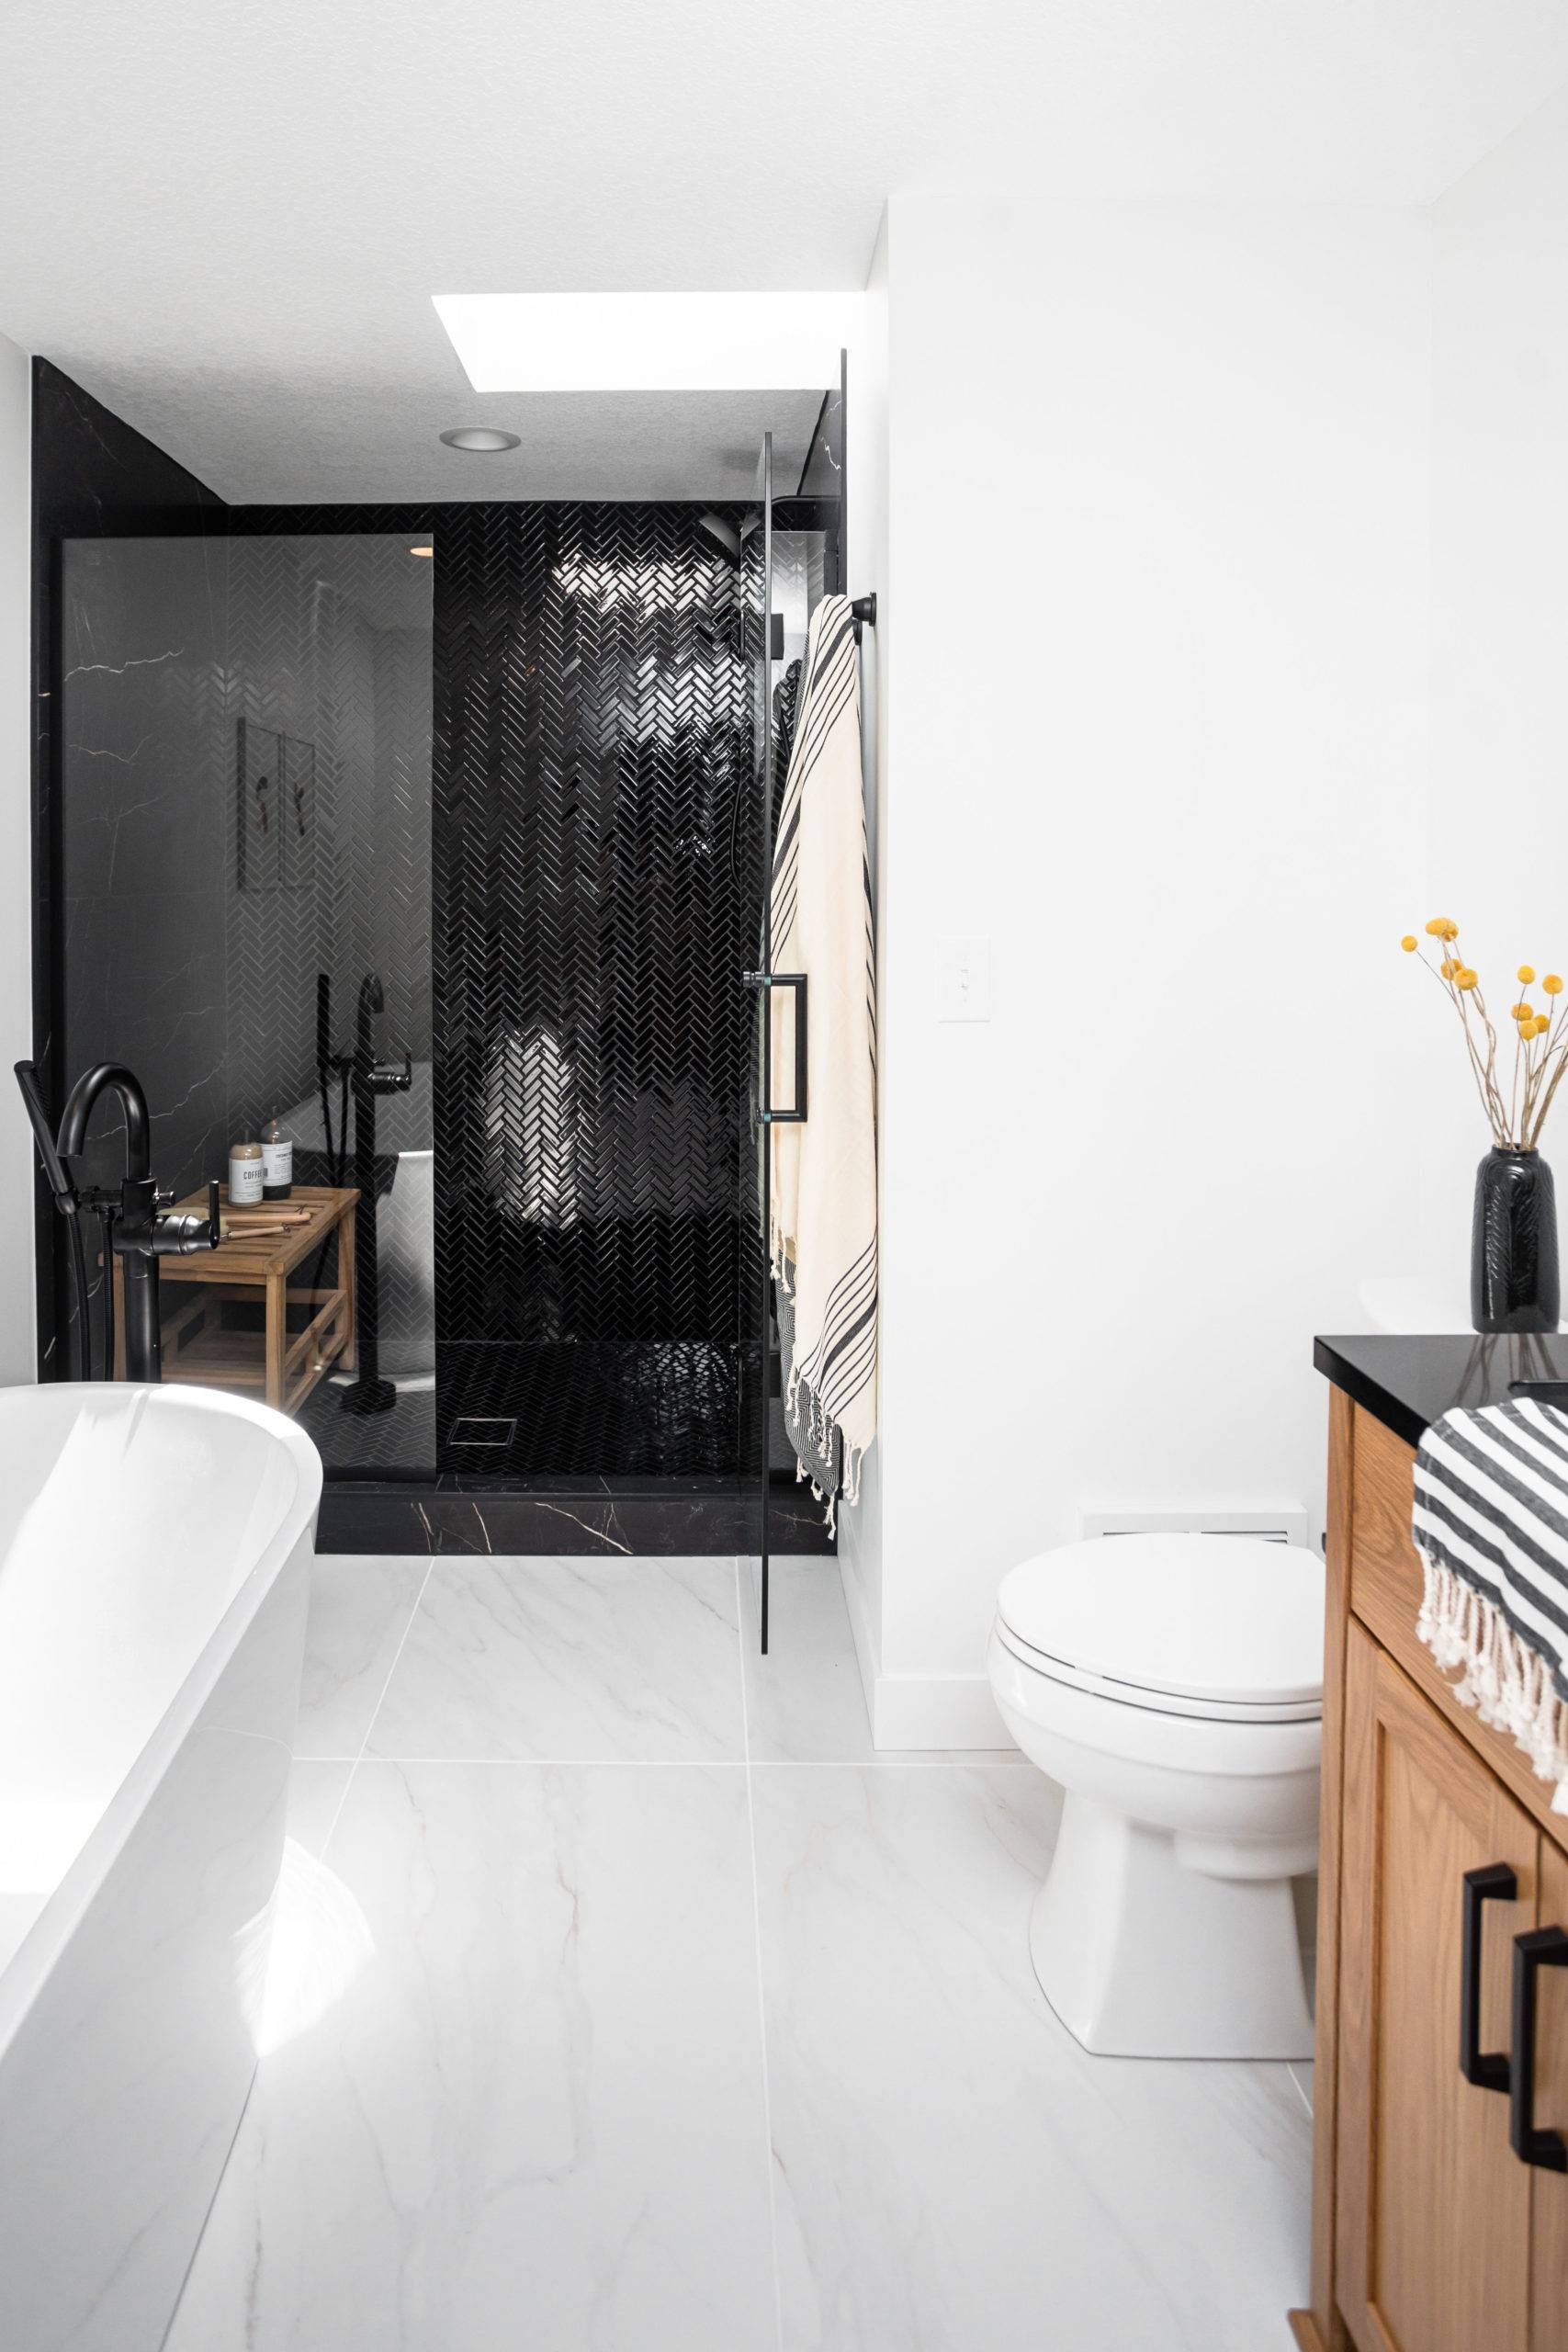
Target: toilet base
1141 1955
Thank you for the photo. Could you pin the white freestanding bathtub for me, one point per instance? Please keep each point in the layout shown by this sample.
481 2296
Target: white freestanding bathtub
156 1549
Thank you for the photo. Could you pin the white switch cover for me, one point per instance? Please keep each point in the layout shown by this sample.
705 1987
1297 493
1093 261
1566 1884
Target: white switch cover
963 982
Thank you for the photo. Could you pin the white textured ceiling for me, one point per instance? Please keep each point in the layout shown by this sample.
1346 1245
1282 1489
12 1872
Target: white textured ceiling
227 220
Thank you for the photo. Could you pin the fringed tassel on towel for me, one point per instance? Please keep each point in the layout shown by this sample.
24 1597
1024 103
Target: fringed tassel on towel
1501 1677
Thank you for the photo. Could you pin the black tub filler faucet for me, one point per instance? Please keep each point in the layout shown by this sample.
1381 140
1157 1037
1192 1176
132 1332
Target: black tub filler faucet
139 1222
369 1079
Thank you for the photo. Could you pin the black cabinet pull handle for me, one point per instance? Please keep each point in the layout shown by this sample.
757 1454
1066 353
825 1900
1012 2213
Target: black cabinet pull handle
1488 2069
1542 1948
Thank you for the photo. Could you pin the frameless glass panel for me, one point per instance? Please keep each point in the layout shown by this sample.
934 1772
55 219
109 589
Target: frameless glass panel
245 850
754 762
795 560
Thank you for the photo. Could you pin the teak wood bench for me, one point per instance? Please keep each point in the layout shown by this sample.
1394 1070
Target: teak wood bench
255 1258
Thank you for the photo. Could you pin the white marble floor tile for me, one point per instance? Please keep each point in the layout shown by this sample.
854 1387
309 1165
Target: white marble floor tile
536 2116
360 1610
806 1701
315 1793
569 1659
951 2170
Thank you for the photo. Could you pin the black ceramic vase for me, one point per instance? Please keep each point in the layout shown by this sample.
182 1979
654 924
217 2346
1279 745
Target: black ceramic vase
1513 1244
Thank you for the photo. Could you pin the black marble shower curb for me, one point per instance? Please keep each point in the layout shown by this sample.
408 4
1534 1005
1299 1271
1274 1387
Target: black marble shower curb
363 1515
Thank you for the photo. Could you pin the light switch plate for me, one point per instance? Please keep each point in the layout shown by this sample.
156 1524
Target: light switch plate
964 979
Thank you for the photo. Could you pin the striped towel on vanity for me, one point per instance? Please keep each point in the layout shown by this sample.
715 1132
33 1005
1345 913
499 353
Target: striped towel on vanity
1491 1524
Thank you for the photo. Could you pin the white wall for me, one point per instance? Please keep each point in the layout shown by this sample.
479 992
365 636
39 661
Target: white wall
1499 817
17 1357
1156 676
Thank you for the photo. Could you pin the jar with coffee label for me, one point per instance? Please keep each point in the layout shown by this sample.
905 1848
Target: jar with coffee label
246 1176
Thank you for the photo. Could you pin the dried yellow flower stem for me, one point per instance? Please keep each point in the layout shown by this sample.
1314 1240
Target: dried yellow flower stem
1532 1137
1540 1059
1485 1066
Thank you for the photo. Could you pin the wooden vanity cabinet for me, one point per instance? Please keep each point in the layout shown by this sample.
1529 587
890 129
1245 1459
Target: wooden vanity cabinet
1439 1849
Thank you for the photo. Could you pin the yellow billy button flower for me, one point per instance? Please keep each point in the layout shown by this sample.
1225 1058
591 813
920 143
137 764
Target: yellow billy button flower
1523 1012
1464 977
1441 928
1408 942
1539 1027
1526 973
1552 985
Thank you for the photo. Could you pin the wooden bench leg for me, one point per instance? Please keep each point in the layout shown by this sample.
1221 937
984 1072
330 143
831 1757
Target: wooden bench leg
277 1336
349 1359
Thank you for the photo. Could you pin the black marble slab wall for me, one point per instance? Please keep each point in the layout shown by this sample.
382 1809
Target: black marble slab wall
142 839
93 475
672 1517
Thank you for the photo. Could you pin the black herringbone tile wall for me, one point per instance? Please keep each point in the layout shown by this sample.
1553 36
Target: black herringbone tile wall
591 1032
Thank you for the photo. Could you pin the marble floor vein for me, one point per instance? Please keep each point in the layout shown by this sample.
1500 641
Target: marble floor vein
569 1659
534 2116
626 2000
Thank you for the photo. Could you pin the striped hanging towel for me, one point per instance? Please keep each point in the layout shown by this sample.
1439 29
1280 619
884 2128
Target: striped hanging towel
1491 1524
822 1239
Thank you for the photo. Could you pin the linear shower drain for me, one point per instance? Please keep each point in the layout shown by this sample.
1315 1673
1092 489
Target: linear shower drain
476 1429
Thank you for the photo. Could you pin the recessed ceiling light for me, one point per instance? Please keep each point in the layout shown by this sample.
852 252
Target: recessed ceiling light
479 436
422 551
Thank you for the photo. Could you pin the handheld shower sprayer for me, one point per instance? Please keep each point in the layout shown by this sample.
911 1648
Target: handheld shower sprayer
66 1199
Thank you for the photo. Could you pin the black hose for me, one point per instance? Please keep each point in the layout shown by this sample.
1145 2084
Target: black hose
107 1224
79 1283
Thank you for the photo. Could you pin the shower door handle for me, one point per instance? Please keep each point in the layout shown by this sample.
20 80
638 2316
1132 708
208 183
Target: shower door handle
796 1115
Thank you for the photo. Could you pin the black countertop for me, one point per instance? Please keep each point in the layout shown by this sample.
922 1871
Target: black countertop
1410 1384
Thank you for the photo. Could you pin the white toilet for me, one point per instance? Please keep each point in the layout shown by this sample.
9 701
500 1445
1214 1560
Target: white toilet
1173 1684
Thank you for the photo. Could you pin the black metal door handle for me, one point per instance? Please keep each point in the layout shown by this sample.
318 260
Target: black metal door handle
1488 2069
1533 2145
796 1116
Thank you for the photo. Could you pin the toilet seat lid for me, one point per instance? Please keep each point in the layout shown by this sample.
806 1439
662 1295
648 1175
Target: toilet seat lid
1228 1618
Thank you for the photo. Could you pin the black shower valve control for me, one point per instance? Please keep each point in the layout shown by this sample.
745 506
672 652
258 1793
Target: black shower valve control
184 1234
389 1077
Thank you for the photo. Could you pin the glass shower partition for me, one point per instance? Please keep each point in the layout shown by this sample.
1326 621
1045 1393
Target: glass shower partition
758 1359
245 866
795 544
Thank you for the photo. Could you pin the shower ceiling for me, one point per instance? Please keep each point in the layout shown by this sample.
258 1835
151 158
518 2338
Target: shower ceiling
229 222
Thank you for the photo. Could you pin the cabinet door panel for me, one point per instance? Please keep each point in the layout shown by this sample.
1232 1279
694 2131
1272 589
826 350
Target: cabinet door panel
1549 2190
1434 2209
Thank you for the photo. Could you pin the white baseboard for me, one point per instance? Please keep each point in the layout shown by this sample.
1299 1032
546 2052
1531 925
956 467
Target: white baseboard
936 1711
859 1626
931 1712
